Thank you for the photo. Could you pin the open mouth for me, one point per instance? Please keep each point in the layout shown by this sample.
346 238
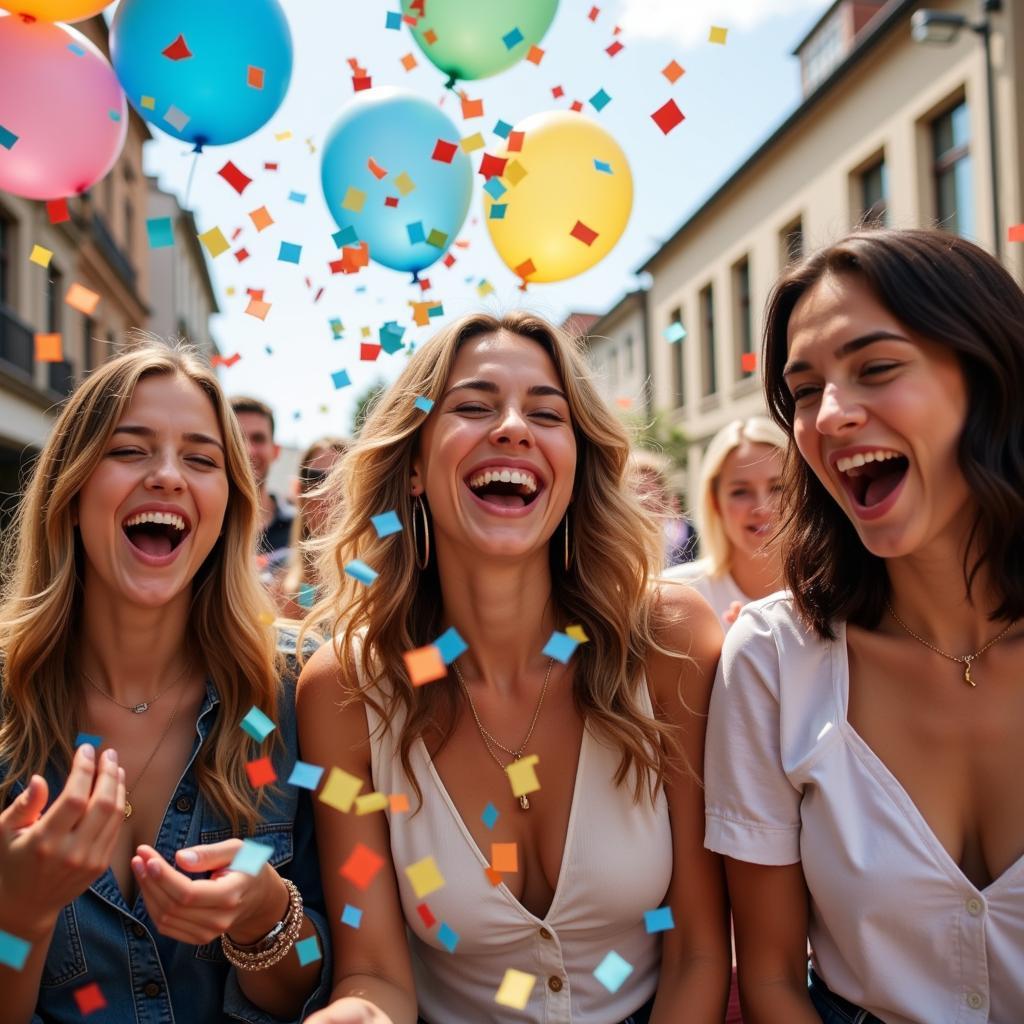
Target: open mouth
505 488
156 534
870 477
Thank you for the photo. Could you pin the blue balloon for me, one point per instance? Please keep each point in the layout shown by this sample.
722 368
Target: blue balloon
399 131
211 97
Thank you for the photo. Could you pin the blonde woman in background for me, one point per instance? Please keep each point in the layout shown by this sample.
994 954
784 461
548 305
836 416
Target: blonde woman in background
740 485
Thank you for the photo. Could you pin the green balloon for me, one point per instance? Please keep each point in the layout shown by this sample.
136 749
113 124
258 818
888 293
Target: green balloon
478 38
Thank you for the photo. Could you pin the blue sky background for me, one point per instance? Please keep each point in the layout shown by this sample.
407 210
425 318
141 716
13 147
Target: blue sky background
732 96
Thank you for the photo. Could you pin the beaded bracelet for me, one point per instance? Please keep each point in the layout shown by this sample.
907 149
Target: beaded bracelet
275 945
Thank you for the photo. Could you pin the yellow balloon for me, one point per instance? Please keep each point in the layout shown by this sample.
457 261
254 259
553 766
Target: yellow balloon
56 10
568 199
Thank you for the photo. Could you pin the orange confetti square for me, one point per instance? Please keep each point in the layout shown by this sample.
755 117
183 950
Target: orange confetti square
536 55
49 348
515 141
81 298
254 77
748 362
424 665
505 857
408 62
261 218
525 269
472 108
399 803
258 308
494 877
430 37
362 866
261 772
673 71
89 999
375 169
1016 233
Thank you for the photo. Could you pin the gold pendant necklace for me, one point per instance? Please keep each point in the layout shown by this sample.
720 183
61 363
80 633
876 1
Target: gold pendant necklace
136 709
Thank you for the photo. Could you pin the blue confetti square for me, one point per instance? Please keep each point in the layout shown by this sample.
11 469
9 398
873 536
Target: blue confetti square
13 951
386 523
560 646
600 100
393 19
257 724
612 971
308 950
659 920
352 916
448 937
297 197
306 776
498 211
346 236
7 137
415 231
289 252
306 596
251 857
437 310
114 115
494 188
451 645
490 816
359 570
604 168
391 337
340 379
675 332
160 231
90 738
76 49
512 39
503 129
423 404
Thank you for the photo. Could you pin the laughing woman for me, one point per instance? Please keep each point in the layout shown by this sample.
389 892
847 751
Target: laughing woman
518 522
132 615
864 744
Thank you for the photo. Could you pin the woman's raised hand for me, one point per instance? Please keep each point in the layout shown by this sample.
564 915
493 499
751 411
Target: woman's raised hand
47 859
350 1010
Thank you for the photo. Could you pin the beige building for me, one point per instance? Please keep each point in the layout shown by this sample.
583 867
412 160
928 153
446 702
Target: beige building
888 129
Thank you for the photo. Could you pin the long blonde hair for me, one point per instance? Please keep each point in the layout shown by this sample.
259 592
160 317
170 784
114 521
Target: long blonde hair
714 543
615 549
40 608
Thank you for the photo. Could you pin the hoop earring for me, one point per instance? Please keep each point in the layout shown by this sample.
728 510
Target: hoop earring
566 557
418 504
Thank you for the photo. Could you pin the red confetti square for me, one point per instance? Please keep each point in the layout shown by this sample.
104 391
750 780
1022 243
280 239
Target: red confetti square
375 169
426 916
748 362
1016 233
615 48
558 92
362 866
255 293
673 71
536 55
270 167
515 141
525 269
391 201
576 106
594 12
444 151
583 233
242 255
494 877
57 211
261 772
238 180
472 108
668 116
89 999
492 166
235 233
361 82
424 284
410 19
254 77
368 352
178 50
449 259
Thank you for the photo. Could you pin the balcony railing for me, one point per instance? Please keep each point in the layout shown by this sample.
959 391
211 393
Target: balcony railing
62 378
111 251
17 343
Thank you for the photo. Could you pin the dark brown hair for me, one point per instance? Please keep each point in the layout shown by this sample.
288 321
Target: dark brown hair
952 292
244 403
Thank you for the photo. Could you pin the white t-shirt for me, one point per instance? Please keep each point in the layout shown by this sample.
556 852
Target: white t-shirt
895 925
718 591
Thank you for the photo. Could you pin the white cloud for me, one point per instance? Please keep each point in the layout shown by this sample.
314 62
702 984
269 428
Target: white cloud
687 21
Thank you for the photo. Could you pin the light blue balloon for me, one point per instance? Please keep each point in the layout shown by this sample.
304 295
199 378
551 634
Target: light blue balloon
209 90
399 131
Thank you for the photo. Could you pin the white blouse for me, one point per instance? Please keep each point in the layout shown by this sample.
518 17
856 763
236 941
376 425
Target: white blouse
719 591
895 925
616 864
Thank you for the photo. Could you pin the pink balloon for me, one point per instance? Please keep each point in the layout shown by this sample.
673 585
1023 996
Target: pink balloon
63 116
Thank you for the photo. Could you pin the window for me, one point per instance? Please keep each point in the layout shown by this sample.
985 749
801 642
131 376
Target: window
874 194
54 289
952 171
89 359
792 242
6 261
823 52
678 361
743 323
630 365
709 378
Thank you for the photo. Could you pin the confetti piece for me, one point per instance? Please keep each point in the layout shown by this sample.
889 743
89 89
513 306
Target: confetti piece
176 118
675 332
297 197
282 136
368 353
512 39
404 183
505 857
577 634
13 951
352 916
425 877
409 62
494 877
415 232
90 738
600 100
668 116
748 362
340 379
472 143
89 998
502 129
600 165
448 937
525 269
362 866
557 92
82 299
370 803
515 989
472 108
583 233
426 916
490 816
492 166
560 646
659 920
341 789
237 179
254 77
393 20
536 55
40 255
484 288
424 665
257 724
258 308
1016 233
261 218
160 231
386 523
49 348
612 971
399 803
251 857
214 242
375 169
346 236
436 238
515 172
289 252
308 950
523 776
147 102
261 772
305 776
423 404
57 211
444 151
361 82
7 137
497 211
178 50
673 71
576 106
615 48
594 12
307 592
717 35
354 199
450 645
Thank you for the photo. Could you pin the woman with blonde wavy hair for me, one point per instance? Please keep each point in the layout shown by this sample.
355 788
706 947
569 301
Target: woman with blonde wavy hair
554 799
134 641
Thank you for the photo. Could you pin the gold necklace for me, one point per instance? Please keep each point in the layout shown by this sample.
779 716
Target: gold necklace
963 659
142 706
488 739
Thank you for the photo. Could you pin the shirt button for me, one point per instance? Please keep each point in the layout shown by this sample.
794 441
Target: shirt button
183 804
138 931
152 989
974 1001
545 934
974 907
555 983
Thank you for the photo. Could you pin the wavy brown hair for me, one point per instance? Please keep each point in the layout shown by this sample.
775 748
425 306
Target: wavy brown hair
40 607
615 550
954 293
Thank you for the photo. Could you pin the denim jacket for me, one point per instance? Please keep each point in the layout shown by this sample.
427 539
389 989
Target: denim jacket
147 978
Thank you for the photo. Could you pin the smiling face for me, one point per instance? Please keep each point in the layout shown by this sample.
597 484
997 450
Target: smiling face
747 492
497 457
878 416
153 508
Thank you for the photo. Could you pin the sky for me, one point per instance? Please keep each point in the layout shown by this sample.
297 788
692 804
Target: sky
732 97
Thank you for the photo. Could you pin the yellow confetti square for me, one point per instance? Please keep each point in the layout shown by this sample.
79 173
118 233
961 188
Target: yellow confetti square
515 989
404 183
40 255
471 143
230 290
425 877
282 136
265 618
576 632
522 775
341 789
365 332
371 802
354 199
214 241
147 102
484 288
514 173
717 35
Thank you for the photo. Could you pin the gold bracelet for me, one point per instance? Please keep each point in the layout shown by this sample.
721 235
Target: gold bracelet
275 945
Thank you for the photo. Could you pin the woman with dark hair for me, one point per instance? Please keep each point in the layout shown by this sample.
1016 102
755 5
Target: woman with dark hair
864 749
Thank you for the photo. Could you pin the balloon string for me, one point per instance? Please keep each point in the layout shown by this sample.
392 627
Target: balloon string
191 175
